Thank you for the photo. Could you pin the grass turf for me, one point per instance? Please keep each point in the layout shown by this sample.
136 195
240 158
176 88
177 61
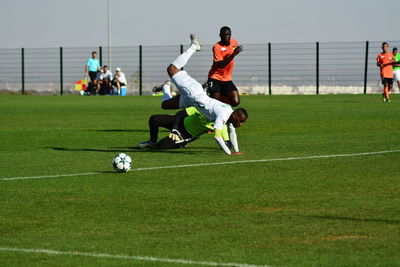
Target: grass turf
328 211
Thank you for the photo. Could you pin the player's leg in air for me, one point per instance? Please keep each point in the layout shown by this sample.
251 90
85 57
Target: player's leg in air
188 87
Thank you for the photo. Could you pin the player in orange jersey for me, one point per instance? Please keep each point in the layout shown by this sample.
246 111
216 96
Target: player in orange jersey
385 61
219 83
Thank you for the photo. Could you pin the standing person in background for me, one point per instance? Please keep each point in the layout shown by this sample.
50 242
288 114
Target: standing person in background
219 83
396 67
119 80
98 78
91 68
385 62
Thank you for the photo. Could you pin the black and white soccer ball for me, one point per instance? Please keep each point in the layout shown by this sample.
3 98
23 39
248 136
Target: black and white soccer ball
122 162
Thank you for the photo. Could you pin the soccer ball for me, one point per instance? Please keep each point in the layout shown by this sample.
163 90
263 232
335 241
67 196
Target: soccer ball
122 162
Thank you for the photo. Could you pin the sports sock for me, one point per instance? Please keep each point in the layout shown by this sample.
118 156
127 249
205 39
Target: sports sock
181 61
166 92
386 90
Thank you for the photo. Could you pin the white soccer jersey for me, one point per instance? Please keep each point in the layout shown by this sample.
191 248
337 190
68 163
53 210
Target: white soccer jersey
121 77
192 94
106 75
215 111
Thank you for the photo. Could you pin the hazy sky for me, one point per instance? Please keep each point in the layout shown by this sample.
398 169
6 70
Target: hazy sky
76 23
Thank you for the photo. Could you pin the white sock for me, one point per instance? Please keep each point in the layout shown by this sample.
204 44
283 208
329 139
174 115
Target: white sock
166 92
181 61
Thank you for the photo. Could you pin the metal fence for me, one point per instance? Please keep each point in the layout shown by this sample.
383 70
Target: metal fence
273 68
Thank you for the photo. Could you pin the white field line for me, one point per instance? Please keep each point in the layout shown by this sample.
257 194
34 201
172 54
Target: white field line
128 257
209 164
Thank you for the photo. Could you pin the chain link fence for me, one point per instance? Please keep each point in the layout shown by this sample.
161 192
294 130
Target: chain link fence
274 68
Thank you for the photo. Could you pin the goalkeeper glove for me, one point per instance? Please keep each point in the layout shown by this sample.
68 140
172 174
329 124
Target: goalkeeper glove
176 136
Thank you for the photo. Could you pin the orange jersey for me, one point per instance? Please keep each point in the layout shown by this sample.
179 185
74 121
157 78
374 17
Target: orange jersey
387 69
221 52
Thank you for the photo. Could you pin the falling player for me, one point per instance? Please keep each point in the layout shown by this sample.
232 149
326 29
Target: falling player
192 94
190 123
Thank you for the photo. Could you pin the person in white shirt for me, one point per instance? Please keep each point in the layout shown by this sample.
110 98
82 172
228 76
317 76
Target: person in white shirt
104 81
192 94
119 80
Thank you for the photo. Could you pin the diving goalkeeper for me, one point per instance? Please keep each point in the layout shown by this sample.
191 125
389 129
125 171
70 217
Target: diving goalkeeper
189 124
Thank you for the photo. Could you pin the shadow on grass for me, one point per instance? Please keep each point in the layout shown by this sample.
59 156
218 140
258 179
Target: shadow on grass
131 149
329 217
124 130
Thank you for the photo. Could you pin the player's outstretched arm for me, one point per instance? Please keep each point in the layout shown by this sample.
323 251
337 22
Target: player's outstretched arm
233 137
221 142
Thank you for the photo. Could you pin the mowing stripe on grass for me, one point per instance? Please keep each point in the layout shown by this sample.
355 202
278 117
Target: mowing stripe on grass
49 176
208 164
128 257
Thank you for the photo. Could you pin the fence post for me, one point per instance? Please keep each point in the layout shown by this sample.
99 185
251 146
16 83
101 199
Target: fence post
101 55
317 67
181 52
366 67
61 72
23 70
140 70
269 70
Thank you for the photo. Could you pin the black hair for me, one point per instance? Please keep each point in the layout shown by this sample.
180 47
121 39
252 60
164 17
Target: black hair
384 43
242 111
105 66
94 52
394 48
225 28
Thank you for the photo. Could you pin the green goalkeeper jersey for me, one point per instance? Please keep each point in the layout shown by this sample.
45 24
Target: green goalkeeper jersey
197 124
397 59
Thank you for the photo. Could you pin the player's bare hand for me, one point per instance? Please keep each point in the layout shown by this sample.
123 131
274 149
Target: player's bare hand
238 49
237 153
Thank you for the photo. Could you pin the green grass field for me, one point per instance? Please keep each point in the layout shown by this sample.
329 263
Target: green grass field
333 211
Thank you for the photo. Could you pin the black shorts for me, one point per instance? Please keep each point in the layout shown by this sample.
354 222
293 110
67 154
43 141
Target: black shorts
222 87
114 82
387 81
93 75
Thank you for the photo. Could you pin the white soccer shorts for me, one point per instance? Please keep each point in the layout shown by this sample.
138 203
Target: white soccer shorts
192 93
396 75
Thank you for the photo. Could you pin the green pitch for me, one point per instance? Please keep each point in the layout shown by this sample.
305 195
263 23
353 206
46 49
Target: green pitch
341 211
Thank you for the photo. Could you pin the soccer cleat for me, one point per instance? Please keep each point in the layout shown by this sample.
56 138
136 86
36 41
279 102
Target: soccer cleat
147 144
159 88
383 97
194 39
388 100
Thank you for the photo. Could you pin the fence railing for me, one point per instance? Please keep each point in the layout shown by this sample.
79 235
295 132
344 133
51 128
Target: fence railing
273 68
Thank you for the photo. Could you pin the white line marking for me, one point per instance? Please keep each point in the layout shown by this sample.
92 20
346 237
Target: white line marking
49 176
127 257
208 164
